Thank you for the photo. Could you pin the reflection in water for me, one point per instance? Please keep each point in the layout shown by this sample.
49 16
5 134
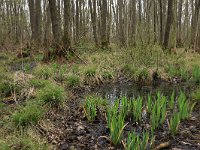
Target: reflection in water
131 90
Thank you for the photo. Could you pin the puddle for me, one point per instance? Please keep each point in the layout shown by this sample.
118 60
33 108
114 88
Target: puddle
132 90
26 66
3 58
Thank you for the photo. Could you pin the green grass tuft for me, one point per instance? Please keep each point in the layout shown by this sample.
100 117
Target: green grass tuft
91 72
4 146
23 142
143 74
8 87
43 71
39 83
73 81
196 73
31 113
196 95
52 95
107 75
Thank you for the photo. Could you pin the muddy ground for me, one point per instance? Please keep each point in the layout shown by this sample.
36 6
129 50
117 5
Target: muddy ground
73 131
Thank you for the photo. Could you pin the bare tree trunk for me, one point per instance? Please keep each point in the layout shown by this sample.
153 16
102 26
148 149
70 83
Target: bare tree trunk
168 24
195 19
47 31
67 19
133 23
179 36
55 22
104 39
31 5
161 21
155 21
121 24
56 28
77 21
38 21
93 12
139 9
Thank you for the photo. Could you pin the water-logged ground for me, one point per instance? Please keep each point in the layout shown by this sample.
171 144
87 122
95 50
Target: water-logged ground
80 134
133 90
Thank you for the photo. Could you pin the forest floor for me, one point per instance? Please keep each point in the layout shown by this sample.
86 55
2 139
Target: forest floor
25 82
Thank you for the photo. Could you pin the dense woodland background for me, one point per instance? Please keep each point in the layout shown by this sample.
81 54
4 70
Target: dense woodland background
67 23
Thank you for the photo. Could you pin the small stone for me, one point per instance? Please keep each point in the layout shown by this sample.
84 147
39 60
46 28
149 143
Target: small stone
192 128
81 132
72 147
79 137
76 124
80 128
64 147
54 142
92 138
148 126
193 118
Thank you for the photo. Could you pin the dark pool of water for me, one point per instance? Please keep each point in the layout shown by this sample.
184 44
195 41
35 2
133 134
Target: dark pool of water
25 66
132 90
3 58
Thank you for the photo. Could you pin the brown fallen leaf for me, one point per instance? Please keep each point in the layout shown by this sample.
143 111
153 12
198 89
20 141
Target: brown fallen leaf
162 146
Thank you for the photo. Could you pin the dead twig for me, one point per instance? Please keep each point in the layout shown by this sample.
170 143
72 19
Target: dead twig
103 137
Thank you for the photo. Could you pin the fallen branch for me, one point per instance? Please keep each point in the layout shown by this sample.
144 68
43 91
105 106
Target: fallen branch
77 55
104 137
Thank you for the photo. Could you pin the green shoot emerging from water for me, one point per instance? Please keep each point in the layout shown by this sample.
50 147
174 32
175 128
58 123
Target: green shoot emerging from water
125 106
163 109
149 103
159 112
133 141
183 106
90 109
111 112
145 140
137 109
174 123
116 128
172 99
